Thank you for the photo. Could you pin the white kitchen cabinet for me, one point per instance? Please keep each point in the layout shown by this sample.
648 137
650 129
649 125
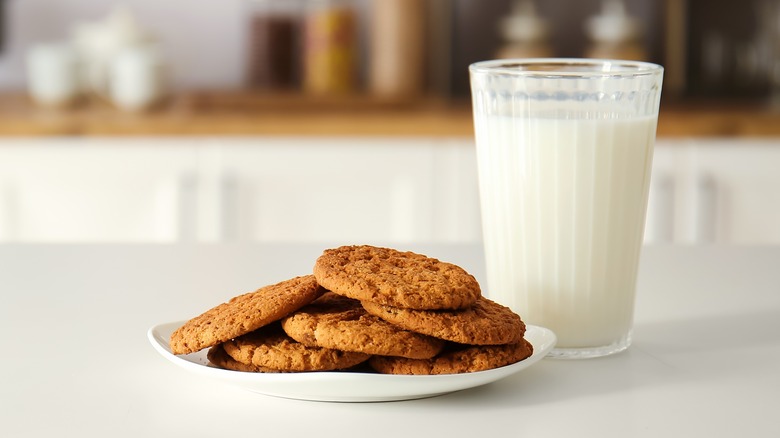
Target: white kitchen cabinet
660 221
735 191
238 189
715 191
350 190
75 190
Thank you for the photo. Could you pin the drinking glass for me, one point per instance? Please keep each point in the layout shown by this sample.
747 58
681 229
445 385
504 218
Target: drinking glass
564 151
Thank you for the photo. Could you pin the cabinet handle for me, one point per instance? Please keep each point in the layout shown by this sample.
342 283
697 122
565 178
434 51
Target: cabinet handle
228 206
660 210
706 209
188 207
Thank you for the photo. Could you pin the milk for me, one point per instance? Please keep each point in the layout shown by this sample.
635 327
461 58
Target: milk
563 208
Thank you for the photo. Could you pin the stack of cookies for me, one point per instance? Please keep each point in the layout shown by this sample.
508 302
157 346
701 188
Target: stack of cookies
364 307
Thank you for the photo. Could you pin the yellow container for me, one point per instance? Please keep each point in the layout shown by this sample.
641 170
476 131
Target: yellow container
330 49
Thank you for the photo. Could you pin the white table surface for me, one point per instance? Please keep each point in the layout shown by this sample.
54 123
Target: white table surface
76 360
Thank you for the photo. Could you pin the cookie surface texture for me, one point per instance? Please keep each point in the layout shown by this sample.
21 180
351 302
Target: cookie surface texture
270 347
484 323
466 360
338 322
219 358
390 277
244 313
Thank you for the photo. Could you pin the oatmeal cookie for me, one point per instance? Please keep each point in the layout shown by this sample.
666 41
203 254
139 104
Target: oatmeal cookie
484 323
244 313
270 347
338 322
393 278
463 359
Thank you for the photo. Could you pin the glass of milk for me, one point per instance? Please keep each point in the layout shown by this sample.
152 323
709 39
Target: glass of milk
564 150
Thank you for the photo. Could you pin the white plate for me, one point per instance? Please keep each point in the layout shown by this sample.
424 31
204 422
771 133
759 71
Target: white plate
348 386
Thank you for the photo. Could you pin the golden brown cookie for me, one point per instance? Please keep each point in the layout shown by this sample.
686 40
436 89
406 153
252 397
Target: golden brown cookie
338 322
394 278
464 359
270 347
484 323
244 313
219 358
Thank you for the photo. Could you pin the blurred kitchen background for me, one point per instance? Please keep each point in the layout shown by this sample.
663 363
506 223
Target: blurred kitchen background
349 121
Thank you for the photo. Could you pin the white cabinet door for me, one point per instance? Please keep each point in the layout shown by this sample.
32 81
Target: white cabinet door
352 190
76 190
715 191
660 222
736 191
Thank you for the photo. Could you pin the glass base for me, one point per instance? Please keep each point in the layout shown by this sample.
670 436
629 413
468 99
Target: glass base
590 352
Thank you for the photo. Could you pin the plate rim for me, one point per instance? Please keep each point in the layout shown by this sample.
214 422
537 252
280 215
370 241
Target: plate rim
542 339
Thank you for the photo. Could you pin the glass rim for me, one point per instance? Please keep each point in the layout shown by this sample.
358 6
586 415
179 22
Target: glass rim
566 68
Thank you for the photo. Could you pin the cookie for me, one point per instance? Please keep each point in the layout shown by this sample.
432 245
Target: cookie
466 359
393 278
484 323
270 347
244 313
219 358
338 322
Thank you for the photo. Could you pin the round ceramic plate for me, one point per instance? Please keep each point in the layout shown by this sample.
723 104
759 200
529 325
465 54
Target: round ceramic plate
348 386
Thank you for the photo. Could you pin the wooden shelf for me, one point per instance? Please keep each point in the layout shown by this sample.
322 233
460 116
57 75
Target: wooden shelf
239 114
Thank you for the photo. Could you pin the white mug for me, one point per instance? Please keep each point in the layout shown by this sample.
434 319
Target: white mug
136 80
53 74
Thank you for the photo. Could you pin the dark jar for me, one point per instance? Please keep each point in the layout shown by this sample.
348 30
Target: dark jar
274 44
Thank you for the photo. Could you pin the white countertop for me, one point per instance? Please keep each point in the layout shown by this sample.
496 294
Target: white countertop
76 360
